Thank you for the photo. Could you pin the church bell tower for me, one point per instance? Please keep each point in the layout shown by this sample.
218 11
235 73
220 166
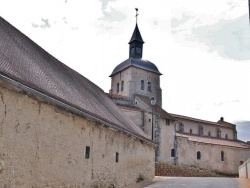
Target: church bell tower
135 76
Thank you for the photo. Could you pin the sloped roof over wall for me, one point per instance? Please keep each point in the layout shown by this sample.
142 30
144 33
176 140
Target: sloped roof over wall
200 121
25 62
139 63
215 141
157 109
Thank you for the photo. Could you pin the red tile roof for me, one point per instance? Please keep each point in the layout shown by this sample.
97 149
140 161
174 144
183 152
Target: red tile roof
25 62
216 141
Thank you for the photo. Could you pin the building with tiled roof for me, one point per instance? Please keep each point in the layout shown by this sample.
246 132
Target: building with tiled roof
57 128
135 88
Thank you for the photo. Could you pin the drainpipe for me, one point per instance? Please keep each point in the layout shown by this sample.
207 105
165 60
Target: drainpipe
175 145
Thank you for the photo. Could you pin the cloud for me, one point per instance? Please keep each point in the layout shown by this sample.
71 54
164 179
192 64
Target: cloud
243 128
228 38
175 22
110 14
44 25
105 3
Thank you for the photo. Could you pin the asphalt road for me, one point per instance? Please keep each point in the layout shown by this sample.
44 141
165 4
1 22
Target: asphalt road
199 182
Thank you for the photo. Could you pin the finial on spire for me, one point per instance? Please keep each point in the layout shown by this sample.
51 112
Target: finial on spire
136 14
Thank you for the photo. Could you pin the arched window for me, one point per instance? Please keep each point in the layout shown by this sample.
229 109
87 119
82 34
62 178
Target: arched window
149 86
200 130
122 85
181 127
218 133
142 84
117 88
198 155
226 136
173 152
191 131
222 156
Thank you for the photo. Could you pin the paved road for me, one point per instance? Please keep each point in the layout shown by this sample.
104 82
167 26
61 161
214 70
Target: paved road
198 182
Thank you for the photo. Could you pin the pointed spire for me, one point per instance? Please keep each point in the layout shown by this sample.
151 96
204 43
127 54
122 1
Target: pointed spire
136 42
136 35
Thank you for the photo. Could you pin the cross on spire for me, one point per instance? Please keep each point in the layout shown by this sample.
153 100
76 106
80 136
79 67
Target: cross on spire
136 14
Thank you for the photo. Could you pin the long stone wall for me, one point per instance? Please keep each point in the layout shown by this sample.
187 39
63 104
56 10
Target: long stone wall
244 170
210 156
42 145
165 169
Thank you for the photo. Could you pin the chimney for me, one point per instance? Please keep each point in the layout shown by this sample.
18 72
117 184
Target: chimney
222 119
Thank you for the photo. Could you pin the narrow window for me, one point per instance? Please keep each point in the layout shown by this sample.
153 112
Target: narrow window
222 156
200 130
122 85
149 120
173 152
209 134
226 136
117 88
149 86
198 155
116 157
132 50
191 131
142 84
167 121
218 133
87 152
181 128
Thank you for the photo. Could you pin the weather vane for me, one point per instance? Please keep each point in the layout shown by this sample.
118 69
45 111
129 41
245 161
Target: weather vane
136 14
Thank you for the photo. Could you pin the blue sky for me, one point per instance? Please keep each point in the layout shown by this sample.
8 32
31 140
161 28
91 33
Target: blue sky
201 47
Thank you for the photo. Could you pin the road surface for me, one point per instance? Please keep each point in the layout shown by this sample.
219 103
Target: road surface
198 182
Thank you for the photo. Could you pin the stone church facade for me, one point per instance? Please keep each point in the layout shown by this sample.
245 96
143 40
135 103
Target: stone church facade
58 129
135 88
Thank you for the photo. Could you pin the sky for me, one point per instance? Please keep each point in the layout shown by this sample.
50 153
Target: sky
202 48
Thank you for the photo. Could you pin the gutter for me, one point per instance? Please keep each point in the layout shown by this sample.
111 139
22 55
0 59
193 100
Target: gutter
70 108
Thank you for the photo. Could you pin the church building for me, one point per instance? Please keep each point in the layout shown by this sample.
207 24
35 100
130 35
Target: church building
135 88
58 129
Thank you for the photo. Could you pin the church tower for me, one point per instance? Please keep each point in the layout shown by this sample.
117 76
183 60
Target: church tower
135 76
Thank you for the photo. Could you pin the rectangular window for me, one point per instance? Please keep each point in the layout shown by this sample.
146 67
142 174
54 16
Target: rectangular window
167 121
116 157
87 152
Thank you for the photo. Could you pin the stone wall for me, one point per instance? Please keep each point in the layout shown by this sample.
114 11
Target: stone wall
210 156
165 169
42 145
244 170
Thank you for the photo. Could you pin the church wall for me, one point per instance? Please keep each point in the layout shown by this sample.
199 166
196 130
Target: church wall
125 76
206 128
42 145
167 142
138 75
211 156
